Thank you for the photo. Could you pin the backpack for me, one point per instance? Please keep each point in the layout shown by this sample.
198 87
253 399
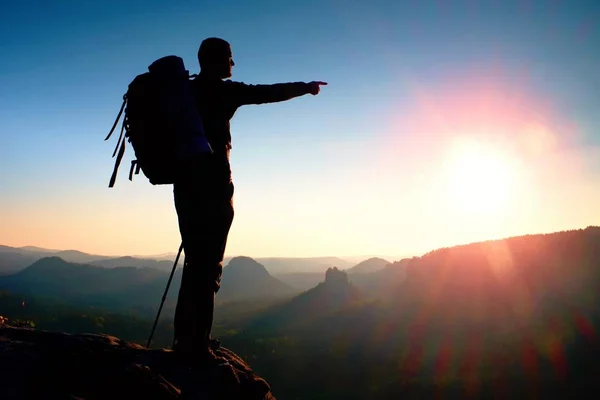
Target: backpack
160 121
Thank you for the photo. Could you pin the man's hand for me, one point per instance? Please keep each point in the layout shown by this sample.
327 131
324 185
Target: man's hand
315 87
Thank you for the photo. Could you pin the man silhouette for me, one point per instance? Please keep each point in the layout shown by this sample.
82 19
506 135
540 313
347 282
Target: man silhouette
203 193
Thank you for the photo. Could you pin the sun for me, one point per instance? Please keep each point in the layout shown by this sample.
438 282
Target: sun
479 177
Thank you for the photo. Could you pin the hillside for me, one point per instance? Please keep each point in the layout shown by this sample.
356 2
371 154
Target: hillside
54 275
84 284
245 279
497 319
362 274
127 261
370 265
24 256
512 285
12 262
14 259
123 288
383 283
301 281
310 307
288 265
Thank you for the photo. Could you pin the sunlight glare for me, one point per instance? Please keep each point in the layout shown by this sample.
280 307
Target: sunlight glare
479 178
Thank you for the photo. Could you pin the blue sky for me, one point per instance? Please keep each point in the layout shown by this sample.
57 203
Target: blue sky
308 172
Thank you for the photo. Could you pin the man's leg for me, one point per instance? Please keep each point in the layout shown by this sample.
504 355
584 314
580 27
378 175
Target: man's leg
204 224
192 229
213 263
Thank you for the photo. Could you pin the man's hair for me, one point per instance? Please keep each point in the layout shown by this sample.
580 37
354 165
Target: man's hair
209 48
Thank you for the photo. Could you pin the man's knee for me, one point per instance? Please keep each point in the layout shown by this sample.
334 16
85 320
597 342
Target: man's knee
209 283
204 273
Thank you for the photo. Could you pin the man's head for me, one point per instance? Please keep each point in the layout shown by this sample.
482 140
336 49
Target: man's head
215 57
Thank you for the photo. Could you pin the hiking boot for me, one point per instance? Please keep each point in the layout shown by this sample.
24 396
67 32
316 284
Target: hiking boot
198 358
214 344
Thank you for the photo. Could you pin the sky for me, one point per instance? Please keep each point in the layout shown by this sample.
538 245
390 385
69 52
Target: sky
443 122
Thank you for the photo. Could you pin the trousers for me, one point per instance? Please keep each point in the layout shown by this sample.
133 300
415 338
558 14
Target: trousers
203 198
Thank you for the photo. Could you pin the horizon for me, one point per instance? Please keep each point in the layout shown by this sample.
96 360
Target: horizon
441 124
361 257
348 258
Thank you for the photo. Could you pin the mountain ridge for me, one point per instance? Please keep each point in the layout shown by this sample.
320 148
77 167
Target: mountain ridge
372 264
275 265
245 278
311 306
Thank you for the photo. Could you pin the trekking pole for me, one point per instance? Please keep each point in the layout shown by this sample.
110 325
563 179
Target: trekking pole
165 295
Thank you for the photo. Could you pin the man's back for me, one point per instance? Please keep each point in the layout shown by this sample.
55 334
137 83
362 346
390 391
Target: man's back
216 106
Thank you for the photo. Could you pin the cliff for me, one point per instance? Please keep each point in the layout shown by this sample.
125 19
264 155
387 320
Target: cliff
38 364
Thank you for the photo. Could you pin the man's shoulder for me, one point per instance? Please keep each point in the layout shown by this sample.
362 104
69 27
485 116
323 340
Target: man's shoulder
234 84
218 84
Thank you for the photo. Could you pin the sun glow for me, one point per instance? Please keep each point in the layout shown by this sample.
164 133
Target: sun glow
479 177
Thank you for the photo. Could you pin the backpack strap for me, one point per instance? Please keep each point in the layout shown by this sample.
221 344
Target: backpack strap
113 178
118 117
135 165
120 142
120 137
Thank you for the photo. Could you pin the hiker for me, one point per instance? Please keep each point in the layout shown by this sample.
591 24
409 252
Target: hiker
203 193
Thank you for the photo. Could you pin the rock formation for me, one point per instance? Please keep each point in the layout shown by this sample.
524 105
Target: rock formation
38 364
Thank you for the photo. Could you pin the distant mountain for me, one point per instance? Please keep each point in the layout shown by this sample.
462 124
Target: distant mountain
12 261
68 255
275 265
76 256
119 287
131 283
301 280
384 283
11 249
286 265
375 275
312 306
244 279
38 249
163 265
371 265
500 282
21 250
357 259
170 256
16 258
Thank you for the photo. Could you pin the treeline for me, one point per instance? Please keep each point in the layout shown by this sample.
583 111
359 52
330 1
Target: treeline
49 314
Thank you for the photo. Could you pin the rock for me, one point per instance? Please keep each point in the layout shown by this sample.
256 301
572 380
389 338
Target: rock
37 364
336 277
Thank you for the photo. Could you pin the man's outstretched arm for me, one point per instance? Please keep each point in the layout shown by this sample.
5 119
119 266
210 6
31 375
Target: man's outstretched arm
260 94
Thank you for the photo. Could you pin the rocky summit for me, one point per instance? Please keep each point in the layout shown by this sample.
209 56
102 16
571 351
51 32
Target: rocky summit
36 364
